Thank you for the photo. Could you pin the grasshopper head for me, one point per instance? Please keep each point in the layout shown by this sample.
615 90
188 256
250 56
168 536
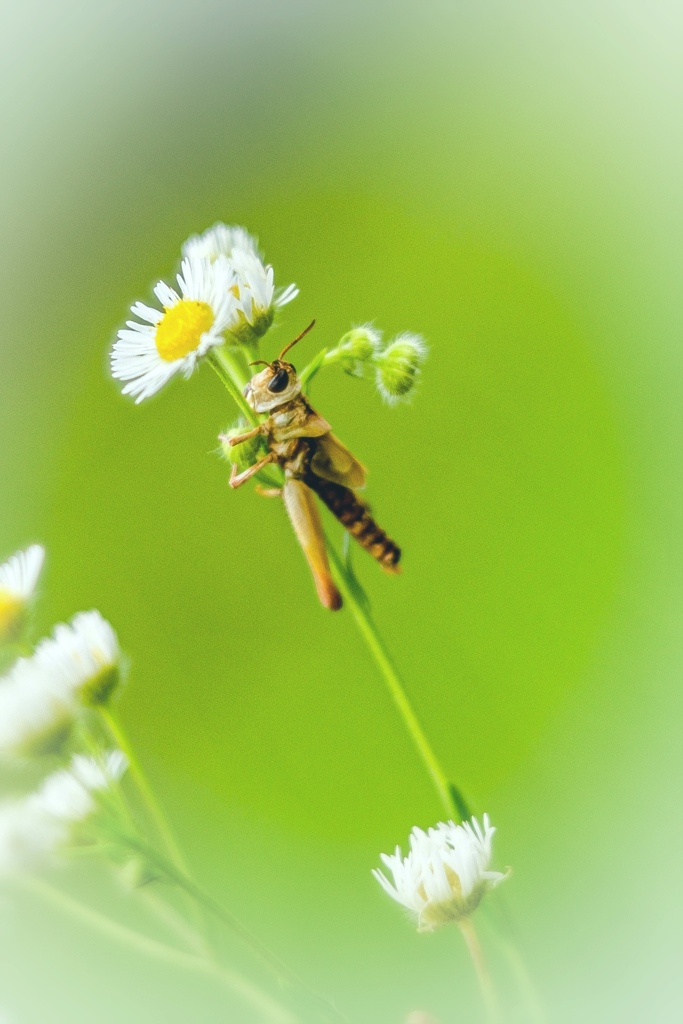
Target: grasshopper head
273 386
277 384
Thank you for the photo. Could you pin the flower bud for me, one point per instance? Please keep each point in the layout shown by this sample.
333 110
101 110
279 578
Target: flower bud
356 348
398 367
246 454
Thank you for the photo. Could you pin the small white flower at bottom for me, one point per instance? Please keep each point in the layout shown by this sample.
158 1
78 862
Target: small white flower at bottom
193 321
18 579
34 828
445 874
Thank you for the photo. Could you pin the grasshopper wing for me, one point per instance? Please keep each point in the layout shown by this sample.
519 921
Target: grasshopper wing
333 461
305 517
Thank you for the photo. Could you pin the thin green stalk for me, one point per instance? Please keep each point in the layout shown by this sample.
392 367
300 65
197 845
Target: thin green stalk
236 359
485 983
240 986
264 954
375 645
111 797
153 806
227 367
523 979
144 788
226 363
176 923
191 936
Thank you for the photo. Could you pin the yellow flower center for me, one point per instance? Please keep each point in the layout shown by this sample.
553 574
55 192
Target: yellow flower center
180 329
11 615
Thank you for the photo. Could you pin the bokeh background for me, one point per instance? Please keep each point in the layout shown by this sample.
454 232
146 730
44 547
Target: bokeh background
506 179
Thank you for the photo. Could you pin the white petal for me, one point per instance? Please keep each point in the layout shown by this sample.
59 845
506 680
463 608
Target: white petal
19 574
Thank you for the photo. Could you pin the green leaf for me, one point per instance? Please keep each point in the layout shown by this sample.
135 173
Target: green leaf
353 583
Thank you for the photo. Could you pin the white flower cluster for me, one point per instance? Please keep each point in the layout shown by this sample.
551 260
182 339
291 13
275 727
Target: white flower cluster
42 697
33 828
445 874
226 295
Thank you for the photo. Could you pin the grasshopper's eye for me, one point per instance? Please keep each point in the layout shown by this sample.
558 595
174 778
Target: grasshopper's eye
278 382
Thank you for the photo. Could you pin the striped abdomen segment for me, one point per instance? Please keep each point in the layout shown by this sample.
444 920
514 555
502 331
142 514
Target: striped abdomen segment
355 517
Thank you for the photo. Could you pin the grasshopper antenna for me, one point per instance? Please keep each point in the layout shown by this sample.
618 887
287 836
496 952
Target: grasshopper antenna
298 338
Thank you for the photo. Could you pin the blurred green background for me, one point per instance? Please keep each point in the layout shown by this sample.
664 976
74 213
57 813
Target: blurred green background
506 179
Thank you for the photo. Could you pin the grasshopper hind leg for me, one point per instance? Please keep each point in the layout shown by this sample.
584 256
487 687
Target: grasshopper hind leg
305 518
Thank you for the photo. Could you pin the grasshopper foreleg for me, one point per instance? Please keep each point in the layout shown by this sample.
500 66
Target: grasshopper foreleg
237 479
241 438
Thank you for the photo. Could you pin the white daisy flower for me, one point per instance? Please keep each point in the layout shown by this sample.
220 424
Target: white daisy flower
18 580
254 287
37 710
193 321
257 298
83 657
40 696
33 829
445 874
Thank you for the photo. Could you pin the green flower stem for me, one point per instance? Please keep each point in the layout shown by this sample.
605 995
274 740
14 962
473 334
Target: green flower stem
112 797
176 923
269 959
306 376
483 976
232 370
525 984
226 363
144 788
375 645
151 802
260 1001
